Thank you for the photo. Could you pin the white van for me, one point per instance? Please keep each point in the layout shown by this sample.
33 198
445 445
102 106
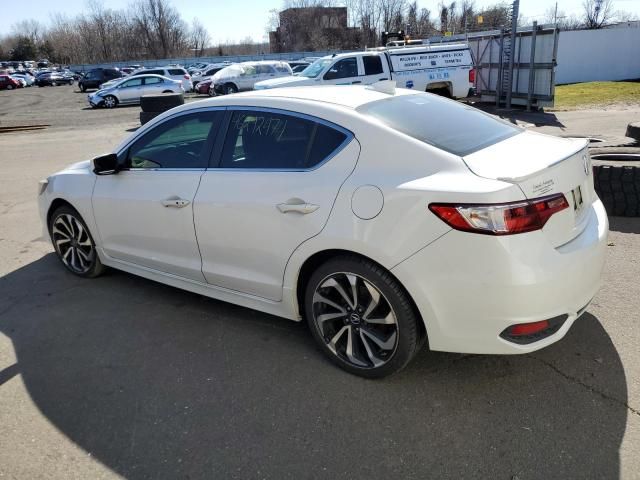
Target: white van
446 69
243 76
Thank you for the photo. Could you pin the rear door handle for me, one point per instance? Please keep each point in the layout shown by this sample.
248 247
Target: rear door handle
357 81
175 202
303 208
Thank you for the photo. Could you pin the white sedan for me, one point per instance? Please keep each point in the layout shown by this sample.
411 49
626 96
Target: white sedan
386 218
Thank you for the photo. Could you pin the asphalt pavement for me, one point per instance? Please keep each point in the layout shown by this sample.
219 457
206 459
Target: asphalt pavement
123 377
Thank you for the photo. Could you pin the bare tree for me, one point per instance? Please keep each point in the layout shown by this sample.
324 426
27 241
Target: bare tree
200 37
597 13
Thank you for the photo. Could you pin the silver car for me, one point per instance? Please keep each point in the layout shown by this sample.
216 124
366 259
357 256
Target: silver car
129 90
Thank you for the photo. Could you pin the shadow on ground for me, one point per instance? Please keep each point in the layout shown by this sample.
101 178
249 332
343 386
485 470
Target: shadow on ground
539 118
158 383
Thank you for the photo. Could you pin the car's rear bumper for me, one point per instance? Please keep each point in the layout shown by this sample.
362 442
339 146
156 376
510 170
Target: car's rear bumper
469 288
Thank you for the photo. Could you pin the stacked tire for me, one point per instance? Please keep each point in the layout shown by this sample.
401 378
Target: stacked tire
618 186
154 105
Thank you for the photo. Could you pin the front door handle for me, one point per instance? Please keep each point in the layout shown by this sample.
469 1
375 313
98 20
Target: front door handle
356 82
175 202
303 208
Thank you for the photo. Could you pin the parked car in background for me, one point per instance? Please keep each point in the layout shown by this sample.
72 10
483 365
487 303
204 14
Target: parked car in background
8 83
243 76
204 88
44 63
195 67
21 81
299 68
96 77
27 77
174 73
129 90
52 79
207 72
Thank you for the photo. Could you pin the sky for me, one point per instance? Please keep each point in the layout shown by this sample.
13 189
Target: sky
235 20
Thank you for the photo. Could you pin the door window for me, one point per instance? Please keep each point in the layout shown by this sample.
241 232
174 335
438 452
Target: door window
345 68
372 65
181 142
152 81
267 140
177 72
134 82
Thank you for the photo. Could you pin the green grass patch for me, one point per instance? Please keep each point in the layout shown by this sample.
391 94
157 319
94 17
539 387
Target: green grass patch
596 94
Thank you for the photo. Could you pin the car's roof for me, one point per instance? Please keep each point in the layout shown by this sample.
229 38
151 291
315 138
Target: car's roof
350 96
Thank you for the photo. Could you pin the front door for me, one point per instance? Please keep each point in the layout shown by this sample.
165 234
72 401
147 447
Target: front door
144 213
343 72
278 177
130 91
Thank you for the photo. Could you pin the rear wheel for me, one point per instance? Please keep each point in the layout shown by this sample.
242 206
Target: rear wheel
83 88
361 317
73 243
110 101
9 87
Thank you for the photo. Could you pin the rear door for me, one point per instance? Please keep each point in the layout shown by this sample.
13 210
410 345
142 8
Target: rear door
277 179
153 85
375 68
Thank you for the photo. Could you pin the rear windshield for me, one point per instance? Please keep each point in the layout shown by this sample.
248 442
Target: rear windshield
450 126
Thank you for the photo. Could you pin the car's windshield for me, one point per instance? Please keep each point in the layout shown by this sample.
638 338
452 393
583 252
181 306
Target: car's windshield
316 68
448 125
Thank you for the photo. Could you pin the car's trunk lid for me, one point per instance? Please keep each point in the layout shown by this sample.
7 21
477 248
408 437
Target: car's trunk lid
543 165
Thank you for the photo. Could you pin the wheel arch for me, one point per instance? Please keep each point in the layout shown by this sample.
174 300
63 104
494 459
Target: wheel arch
318 258
56 204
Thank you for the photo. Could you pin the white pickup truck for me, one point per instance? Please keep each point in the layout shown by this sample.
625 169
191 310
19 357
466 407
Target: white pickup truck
446 69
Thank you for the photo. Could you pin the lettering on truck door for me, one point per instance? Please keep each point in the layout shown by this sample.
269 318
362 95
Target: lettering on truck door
417 70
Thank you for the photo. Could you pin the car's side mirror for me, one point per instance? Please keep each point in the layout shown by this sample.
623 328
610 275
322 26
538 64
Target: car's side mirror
106 164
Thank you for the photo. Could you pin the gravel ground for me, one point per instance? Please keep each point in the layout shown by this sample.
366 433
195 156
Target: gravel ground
124 377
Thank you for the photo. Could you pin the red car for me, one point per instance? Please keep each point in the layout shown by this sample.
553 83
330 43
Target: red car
204 88
7 82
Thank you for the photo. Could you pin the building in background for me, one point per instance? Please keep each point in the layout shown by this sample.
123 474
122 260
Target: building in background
314 28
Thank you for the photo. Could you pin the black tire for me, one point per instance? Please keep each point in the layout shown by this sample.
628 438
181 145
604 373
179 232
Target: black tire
9 87
230 89
211 92
110 101
161 103
83 88
619 189
147 116
407 332
94 267
633 130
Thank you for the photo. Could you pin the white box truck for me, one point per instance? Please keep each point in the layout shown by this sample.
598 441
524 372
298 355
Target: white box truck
446 69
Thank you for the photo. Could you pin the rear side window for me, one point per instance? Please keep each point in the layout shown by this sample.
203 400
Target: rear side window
180 142
372 65
445 124
177 71
274 141
152 80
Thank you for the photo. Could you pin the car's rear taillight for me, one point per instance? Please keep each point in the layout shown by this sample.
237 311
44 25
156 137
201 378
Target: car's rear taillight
500 219
472 76
186 76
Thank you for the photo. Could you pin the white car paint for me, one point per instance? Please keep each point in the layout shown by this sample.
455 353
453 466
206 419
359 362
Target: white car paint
422 68
231 242
243 76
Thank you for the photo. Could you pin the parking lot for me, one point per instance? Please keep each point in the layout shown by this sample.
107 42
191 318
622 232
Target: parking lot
124 377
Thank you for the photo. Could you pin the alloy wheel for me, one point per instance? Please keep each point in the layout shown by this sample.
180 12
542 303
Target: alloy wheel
355 320
109 102
73 243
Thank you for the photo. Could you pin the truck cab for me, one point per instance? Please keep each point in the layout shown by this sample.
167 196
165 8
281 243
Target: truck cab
445 69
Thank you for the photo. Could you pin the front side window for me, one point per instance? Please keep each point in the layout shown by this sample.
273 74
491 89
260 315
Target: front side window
275 141
134 82
180 142
345 68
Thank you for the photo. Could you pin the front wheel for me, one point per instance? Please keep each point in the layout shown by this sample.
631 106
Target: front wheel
110 101
230 88
73 243
361 317
9 87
